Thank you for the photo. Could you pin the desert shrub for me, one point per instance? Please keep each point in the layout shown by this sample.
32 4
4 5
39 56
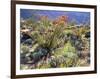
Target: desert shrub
68 55
24 49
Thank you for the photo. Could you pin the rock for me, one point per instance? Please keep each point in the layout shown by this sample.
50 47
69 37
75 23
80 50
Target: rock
24 37
28 42
88 60
83 54
87 35
24 59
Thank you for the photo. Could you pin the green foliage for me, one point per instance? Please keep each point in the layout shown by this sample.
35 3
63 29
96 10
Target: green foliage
23 67
45 23
24 49
67 49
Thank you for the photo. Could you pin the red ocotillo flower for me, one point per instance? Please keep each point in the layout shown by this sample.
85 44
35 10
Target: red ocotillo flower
62 20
